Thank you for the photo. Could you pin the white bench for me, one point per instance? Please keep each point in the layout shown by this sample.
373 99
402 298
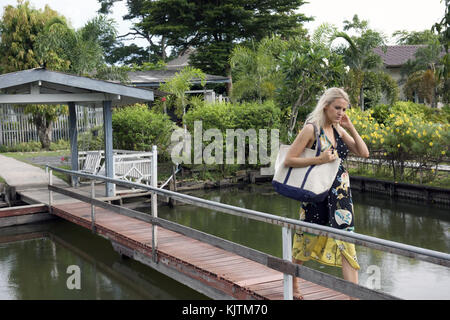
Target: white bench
91 164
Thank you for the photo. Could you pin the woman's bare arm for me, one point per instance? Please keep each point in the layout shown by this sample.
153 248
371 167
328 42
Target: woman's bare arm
305 137
353 140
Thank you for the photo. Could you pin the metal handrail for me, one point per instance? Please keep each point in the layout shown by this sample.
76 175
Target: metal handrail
353 237
284 265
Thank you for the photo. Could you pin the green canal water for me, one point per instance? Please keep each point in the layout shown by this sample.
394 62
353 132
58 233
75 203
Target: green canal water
40 268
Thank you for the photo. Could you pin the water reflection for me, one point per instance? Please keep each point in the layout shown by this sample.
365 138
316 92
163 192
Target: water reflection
36 268
406 222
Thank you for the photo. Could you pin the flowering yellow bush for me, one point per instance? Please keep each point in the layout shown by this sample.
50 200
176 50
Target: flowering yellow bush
403 137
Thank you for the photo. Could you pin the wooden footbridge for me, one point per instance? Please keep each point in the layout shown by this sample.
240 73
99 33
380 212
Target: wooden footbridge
213 266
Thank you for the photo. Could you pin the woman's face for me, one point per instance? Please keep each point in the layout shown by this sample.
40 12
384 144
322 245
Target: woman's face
335 110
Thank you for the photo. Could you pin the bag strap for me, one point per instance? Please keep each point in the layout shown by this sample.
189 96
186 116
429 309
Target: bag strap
318 144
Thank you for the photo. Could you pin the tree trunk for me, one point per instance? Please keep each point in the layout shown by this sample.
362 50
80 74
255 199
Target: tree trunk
294 113
292 121
163 48
230 83
45 135
435 96
361 97
44 130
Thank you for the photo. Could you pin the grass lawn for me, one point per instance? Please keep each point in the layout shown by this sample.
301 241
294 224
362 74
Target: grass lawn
26 156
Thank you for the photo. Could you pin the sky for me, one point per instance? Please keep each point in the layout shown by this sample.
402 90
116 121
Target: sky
384 16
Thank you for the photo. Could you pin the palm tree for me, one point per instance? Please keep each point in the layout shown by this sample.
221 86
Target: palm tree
179 84
255 70
430 65
359 56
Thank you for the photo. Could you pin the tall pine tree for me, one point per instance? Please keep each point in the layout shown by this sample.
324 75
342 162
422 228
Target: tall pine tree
213 28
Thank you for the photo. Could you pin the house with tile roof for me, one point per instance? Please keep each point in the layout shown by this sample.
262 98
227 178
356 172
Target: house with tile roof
394 58
152 79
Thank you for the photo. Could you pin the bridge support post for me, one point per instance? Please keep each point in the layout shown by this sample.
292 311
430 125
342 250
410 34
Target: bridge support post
73 137
92 206
287 255
50 193
109 160
154 183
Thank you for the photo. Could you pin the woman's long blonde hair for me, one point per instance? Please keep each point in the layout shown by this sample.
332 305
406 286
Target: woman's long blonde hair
317 116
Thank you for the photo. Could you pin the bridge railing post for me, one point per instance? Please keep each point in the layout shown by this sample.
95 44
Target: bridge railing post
92 206
50 193
154 183
287 255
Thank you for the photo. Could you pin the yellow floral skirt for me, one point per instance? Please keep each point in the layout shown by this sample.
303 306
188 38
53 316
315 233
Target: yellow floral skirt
323 249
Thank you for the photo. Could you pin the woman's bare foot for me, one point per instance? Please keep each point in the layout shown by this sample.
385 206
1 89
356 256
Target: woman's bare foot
296 291
295 283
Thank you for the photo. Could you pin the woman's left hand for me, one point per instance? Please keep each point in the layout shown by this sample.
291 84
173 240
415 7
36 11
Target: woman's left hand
346 122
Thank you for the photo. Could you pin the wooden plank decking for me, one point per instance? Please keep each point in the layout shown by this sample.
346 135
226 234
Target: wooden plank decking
221 273
11 216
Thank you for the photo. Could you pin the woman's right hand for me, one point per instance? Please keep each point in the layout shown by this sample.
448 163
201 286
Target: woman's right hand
327 156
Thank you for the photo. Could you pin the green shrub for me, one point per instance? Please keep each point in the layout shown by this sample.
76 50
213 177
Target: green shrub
403 137
34 146
60 145
31 146
234 116
244 116
138 128
382 112
91 139
446 112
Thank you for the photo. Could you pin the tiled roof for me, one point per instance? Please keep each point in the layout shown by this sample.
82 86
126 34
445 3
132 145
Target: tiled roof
396 56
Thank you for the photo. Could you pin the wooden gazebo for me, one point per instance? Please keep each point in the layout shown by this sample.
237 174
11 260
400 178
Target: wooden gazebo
41 86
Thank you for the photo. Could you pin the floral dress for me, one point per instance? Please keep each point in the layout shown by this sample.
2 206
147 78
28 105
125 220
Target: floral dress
335 211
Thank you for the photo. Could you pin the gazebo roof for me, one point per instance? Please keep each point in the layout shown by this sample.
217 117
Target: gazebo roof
41 86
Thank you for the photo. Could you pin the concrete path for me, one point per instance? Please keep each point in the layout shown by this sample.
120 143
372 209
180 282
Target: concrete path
24 176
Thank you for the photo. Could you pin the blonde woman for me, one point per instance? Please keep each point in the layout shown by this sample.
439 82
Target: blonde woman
338 136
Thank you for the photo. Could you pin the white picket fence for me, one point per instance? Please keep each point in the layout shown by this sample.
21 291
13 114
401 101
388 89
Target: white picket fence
16 127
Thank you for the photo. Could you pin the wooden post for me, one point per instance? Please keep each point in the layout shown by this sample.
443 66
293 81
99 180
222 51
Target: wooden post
174 180
92 206
154 183
73 137
287 255
172 187
50 193
109 161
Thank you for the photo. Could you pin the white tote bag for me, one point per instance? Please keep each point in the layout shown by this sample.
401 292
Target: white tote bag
308 184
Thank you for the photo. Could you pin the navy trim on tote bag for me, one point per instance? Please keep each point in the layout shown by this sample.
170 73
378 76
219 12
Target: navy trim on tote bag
298 194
